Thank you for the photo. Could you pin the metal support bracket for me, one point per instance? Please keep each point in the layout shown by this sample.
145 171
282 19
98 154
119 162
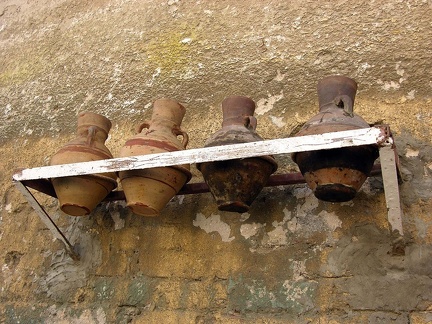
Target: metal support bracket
37 178
389 171
47 220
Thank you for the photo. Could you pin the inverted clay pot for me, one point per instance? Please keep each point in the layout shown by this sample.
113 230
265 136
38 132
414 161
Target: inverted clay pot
79 195
337 174
148 191
235 184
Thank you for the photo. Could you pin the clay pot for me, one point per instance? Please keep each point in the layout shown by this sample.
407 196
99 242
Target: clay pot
235 184
336 175
79 195
147 191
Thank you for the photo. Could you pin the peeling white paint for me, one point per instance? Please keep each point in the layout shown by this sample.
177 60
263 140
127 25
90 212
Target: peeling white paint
8 208
244 217
392 85
188 75
8 109
311 202
299 269
214 224
278 121
249 230
301 192
261 292
279 76
276 237
411 95
119 223
296 23
363 67
186 40
332 221
294 293
293 225
117 72
180 199
287 214
129 102
411 152
266 104
349 203
155 75
399 70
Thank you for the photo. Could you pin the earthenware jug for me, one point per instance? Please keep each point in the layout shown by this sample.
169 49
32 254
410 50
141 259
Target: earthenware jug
147 191
235 184
79 195
337 174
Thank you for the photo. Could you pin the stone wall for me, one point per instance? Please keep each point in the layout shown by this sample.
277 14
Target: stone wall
291 258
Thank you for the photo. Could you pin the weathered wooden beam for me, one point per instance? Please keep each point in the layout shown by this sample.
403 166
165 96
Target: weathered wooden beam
364 136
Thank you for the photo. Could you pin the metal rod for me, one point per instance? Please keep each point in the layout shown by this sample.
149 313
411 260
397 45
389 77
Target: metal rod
47 220
45 186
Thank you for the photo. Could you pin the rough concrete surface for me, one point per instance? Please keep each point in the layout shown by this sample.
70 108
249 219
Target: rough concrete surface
291 258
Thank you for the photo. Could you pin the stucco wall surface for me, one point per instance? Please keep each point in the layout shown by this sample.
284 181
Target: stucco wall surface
291 258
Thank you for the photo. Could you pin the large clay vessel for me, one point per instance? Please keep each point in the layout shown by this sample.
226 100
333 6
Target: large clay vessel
79 195
147 191
336 175
235 184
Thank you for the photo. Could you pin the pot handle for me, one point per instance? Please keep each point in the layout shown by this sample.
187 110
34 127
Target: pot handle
139 128
250 122
177 132
91 135
346 103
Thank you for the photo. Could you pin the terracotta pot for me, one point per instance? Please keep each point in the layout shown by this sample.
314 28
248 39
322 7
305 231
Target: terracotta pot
79 195
147 191
336 175
235 184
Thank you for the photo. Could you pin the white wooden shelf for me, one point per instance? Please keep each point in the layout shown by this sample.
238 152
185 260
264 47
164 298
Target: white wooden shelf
38 178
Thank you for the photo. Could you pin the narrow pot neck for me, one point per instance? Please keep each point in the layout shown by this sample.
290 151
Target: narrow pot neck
168 110
238 111
337 92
